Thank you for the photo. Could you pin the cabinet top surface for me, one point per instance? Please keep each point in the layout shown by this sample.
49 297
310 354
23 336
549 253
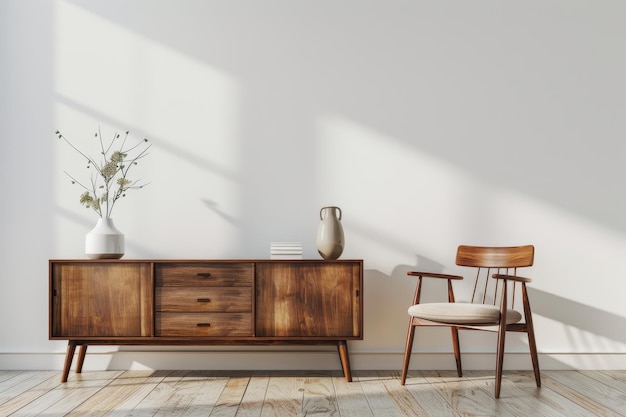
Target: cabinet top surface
321 261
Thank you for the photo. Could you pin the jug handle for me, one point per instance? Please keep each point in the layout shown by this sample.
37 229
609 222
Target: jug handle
332 207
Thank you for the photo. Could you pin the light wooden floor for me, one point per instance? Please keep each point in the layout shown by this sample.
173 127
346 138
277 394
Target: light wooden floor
206 393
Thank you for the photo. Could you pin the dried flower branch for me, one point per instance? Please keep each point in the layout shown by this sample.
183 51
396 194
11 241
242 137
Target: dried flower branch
110 180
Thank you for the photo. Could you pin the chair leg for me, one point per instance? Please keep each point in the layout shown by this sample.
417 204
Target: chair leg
500 357
530 330
407 351
457 350
533 355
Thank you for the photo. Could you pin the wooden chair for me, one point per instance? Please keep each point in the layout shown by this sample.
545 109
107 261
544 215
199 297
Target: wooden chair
491 302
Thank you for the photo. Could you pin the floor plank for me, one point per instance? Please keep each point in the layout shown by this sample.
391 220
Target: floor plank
376 394
310 393
521 397
230 399
404 399
202 392
465 396
284 396
596 397
23 392
319 396
61 400
121 395
429 401
254 397
351 400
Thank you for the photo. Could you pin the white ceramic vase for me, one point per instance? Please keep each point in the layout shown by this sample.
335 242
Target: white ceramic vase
104 241
330 240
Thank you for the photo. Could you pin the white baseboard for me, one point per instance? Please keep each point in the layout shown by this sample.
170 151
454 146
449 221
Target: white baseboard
108 358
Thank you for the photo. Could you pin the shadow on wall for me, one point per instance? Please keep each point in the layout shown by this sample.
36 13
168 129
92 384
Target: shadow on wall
578 315
386 322
388 330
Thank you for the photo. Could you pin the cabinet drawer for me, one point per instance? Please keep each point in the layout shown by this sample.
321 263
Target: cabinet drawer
197 274
203 324
204 299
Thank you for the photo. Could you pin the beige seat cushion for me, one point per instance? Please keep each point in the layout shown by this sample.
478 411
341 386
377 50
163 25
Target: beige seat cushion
462 313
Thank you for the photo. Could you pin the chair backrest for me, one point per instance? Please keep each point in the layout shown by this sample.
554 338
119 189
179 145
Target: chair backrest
493 260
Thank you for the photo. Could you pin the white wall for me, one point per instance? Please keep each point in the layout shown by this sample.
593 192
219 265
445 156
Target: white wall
430 124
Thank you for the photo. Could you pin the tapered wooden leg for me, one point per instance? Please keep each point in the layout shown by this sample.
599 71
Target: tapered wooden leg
81 358
69 356
407 351
500 356
533 355
342 347
457 350
528 317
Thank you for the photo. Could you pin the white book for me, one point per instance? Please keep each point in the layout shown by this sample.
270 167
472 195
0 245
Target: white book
286 248
284 257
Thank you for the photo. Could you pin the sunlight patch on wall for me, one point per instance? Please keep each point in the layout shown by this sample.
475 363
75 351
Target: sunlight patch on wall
559 337
398 202
110 76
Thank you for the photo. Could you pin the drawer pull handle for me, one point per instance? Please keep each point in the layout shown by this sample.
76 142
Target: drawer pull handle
204 324
204 300
204 275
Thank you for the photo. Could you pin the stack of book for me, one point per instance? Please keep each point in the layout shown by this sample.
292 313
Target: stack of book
286 250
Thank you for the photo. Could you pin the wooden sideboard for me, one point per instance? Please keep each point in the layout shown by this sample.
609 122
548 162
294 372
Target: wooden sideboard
205 302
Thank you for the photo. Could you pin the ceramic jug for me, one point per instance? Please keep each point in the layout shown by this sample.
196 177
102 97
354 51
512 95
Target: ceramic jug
330 239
